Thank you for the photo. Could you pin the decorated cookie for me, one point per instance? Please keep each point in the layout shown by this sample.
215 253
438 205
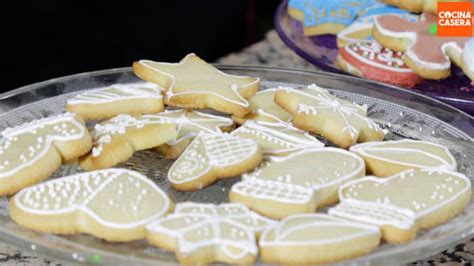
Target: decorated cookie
264 109
361 28
419 5
386 158
403 203
189 124
112 204
116 140
425 53
107 102
306 239
316 110
193 83
468 59
32 151
368 59
204 233
211 157
330 17
296 8
297 183
277 138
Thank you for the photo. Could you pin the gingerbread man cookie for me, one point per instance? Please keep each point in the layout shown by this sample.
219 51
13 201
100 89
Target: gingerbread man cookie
112 204
204 233
403 203
307 239
107 102
193 83
370 60
316 110
189 123
264 109
297 183
425 53
32 151
386 158
211 157
116 139
277 138
361 29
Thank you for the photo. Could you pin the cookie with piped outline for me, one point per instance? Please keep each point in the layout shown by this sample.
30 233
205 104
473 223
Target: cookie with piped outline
425 53
201 233
316 110
386 158
193 83
31 152
300 182
189 123
107 102
112 204
316 238
404 203
116 139
277 138
264 109
211 157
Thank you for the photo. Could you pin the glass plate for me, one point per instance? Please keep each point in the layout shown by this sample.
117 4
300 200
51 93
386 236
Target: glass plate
404 113
321 51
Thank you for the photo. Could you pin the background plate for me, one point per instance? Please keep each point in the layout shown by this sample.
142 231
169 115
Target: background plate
321 51
402 112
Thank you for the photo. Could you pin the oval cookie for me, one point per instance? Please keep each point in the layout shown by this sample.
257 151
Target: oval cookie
386 158
107 102
297 183
112 204
316 238
402 203
277 138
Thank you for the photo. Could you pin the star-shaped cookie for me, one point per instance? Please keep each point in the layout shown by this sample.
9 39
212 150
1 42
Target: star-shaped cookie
188 124
193 83
204 233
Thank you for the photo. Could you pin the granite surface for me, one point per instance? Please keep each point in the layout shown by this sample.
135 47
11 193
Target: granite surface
270 52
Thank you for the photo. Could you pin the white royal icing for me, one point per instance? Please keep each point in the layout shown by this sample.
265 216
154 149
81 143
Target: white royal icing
190 123
284 137
229 227
468 55
407 154
234 88
346 110
397 200
117 92
208 151
116 198
118 125
24 145
301 230
298 177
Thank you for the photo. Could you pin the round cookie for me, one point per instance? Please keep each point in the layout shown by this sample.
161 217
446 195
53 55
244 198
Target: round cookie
370 60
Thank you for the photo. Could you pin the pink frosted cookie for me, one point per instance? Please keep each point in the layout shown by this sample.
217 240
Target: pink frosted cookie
370 60
427 54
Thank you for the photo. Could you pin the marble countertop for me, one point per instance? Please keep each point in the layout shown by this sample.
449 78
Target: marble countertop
270 52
